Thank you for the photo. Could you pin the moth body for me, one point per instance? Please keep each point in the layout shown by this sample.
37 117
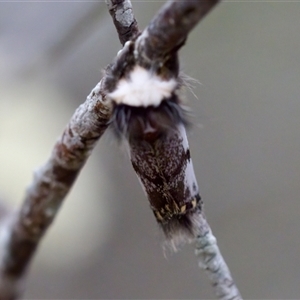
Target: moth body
147 112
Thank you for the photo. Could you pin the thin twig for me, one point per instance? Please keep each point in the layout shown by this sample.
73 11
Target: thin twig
210 259
122 14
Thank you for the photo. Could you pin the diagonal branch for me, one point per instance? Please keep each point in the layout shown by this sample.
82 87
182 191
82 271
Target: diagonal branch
21 233
170 27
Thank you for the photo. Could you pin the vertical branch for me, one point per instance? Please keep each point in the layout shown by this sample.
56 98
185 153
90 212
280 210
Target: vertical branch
161 157
122 14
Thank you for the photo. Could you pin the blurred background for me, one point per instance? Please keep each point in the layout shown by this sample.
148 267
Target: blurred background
245 145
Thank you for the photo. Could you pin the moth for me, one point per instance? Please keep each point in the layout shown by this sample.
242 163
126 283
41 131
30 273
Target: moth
149 115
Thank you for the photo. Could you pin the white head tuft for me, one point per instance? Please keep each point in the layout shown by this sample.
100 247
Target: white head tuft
142 88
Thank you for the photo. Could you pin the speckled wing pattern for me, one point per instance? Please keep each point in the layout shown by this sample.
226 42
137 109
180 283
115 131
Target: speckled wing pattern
165 169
